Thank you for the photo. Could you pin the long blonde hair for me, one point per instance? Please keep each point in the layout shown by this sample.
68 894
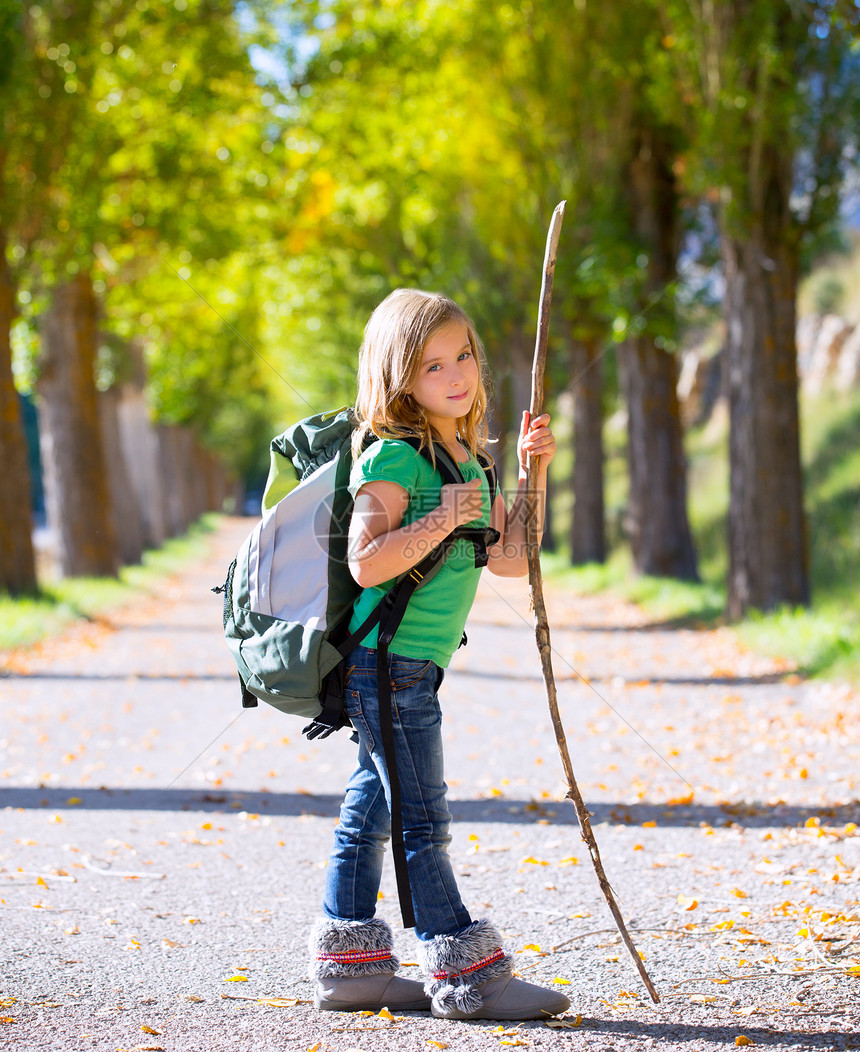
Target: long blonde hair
388 366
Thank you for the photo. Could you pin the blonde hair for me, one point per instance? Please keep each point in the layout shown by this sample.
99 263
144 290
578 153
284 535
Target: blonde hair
388 366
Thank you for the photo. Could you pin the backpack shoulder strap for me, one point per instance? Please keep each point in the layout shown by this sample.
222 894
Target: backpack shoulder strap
492 477
449 469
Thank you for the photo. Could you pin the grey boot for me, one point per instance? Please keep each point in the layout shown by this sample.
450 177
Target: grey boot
471 978
353 965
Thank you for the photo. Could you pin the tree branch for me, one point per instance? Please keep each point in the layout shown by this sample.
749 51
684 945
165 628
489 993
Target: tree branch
539 606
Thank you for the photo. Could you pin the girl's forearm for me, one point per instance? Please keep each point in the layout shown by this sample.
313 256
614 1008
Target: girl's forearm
391 554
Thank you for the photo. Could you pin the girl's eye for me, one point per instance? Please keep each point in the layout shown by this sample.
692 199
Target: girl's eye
432 368
465 354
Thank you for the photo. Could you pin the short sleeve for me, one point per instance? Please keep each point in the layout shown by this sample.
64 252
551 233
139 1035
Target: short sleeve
387 461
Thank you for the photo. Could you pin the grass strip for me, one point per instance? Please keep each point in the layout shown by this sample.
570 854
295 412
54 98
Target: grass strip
59 604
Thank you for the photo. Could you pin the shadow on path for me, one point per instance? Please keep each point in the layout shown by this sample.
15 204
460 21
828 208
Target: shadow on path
506 811
483 674
674 1032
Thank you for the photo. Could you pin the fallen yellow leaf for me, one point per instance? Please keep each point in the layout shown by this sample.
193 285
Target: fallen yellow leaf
436 1044
742 1040
40 882
385 1014
561 982
563 1024
237 979
149 1030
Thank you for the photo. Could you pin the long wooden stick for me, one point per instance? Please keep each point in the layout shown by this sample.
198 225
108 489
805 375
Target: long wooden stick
539 606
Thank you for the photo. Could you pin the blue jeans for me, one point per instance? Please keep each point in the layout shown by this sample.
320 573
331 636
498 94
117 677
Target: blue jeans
355 864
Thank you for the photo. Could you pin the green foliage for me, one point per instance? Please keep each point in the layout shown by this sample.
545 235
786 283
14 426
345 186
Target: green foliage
141 146
834 284
763 85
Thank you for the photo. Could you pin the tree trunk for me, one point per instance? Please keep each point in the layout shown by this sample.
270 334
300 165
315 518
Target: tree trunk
17 562
657 512
588 529
140 447
125 508
768 554
657 524
76 486
511 394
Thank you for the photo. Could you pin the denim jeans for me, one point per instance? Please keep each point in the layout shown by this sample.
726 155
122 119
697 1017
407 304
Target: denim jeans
355 864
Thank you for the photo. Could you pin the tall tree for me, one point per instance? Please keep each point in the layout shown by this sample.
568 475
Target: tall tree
657 523
17 562
136 135
77 499
588 524
769 91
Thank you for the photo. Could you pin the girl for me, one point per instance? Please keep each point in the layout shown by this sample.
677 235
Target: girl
420 374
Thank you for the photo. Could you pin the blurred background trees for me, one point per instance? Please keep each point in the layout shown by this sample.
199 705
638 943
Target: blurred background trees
203 201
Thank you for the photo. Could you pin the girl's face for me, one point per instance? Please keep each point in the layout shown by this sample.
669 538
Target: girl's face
447 379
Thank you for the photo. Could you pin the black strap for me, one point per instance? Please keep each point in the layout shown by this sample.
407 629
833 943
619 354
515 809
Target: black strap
390 613
449 468
392 618
249 700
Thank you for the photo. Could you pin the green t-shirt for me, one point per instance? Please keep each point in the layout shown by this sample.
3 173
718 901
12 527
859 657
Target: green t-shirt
432 626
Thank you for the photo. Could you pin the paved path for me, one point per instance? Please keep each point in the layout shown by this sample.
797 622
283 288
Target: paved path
162 850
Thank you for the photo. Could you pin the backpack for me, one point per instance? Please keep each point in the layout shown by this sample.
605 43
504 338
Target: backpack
289 593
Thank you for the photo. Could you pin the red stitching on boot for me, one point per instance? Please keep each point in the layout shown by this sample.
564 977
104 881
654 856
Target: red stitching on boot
497 956
356 956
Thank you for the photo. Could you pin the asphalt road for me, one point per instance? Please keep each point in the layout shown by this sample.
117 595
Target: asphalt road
162 850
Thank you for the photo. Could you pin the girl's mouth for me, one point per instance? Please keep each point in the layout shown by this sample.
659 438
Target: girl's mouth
458 397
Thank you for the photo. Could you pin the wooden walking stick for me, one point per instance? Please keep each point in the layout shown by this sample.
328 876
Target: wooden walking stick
537 599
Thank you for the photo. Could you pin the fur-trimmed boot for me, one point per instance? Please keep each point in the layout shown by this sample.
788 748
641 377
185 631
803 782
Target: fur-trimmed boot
353 965
471 978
